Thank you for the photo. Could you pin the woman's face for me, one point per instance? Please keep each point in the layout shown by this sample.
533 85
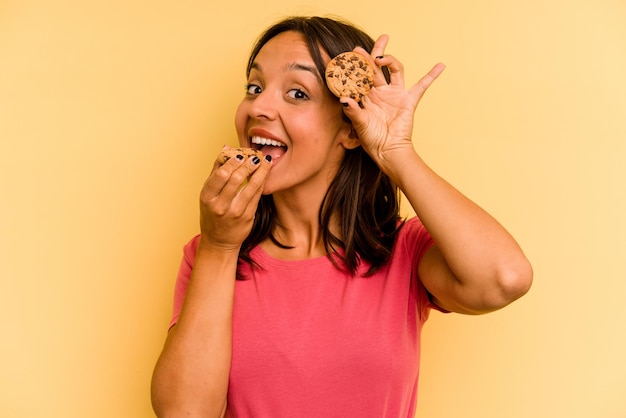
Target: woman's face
288 113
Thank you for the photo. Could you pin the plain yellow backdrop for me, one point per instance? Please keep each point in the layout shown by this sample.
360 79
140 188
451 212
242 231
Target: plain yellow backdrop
111 114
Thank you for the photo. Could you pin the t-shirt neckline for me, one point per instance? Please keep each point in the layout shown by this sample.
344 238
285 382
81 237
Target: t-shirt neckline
264 258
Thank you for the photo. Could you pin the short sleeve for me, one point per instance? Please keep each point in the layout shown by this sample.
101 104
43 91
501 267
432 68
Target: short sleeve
182 279
418 241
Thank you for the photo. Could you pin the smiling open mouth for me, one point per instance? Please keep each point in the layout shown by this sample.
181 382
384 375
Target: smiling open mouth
273 148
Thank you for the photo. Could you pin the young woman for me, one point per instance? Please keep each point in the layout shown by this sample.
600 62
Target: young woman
305 292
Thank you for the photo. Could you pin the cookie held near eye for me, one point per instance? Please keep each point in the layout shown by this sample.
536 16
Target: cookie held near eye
349 75
228 153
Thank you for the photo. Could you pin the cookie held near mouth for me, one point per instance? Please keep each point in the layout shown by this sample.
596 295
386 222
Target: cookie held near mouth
349 75
228 153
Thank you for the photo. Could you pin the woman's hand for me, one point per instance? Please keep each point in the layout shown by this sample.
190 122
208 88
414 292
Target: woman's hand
384 121
228 202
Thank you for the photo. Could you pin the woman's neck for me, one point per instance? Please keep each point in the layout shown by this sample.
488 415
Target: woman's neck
298 226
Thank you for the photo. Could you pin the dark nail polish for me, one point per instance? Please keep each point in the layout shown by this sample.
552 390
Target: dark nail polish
345 104
256 160
239 157
380 56
268 158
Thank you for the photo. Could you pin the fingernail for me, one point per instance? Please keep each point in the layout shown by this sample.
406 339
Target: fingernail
380 56
268 158
256 160
345 104
239 157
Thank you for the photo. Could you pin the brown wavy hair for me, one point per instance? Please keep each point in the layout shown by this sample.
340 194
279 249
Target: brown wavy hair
364 199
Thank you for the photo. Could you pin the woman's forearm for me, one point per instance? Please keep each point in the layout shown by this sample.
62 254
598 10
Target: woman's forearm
191 375
483 257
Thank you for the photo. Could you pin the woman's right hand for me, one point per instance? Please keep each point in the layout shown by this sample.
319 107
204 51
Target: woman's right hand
228 202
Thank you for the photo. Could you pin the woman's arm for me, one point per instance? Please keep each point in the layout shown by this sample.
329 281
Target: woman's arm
191 376
475 265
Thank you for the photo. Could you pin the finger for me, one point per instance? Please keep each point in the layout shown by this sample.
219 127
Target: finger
352 109
220 175
378 49
394 68
239 177
424 83
250 194
381 73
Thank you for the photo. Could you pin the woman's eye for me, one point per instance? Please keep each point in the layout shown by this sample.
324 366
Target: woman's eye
253 89
297 94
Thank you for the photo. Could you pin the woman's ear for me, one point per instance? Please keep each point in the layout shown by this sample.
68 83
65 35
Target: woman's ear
351 140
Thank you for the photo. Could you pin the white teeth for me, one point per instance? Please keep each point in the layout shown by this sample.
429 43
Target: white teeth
265 141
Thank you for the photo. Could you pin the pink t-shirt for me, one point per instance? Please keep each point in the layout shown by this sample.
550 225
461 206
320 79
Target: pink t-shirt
312 341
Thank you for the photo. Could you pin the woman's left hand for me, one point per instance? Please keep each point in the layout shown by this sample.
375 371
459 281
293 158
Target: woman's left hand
384 120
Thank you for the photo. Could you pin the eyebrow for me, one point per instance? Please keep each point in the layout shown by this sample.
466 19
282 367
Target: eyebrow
301 67
294 66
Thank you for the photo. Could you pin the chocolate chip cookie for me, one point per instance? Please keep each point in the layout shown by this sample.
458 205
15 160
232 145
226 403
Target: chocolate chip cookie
228 153
349 75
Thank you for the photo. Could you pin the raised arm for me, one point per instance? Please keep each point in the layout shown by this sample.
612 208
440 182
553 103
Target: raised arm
191 376
475 266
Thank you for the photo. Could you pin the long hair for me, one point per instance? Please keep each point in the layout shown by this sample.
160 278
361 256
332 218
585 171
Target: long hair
364 199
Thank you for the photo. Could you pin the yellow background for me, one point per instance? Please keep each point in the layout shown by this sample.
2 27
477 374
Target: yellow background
111 114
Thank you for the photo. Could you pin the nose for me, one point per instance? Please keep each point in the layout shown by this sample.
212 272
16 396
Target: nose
264 105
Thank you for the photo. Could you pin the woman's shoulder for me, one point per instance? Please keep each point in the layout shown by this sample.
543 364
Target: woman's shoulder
413 238
192 244
411 227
